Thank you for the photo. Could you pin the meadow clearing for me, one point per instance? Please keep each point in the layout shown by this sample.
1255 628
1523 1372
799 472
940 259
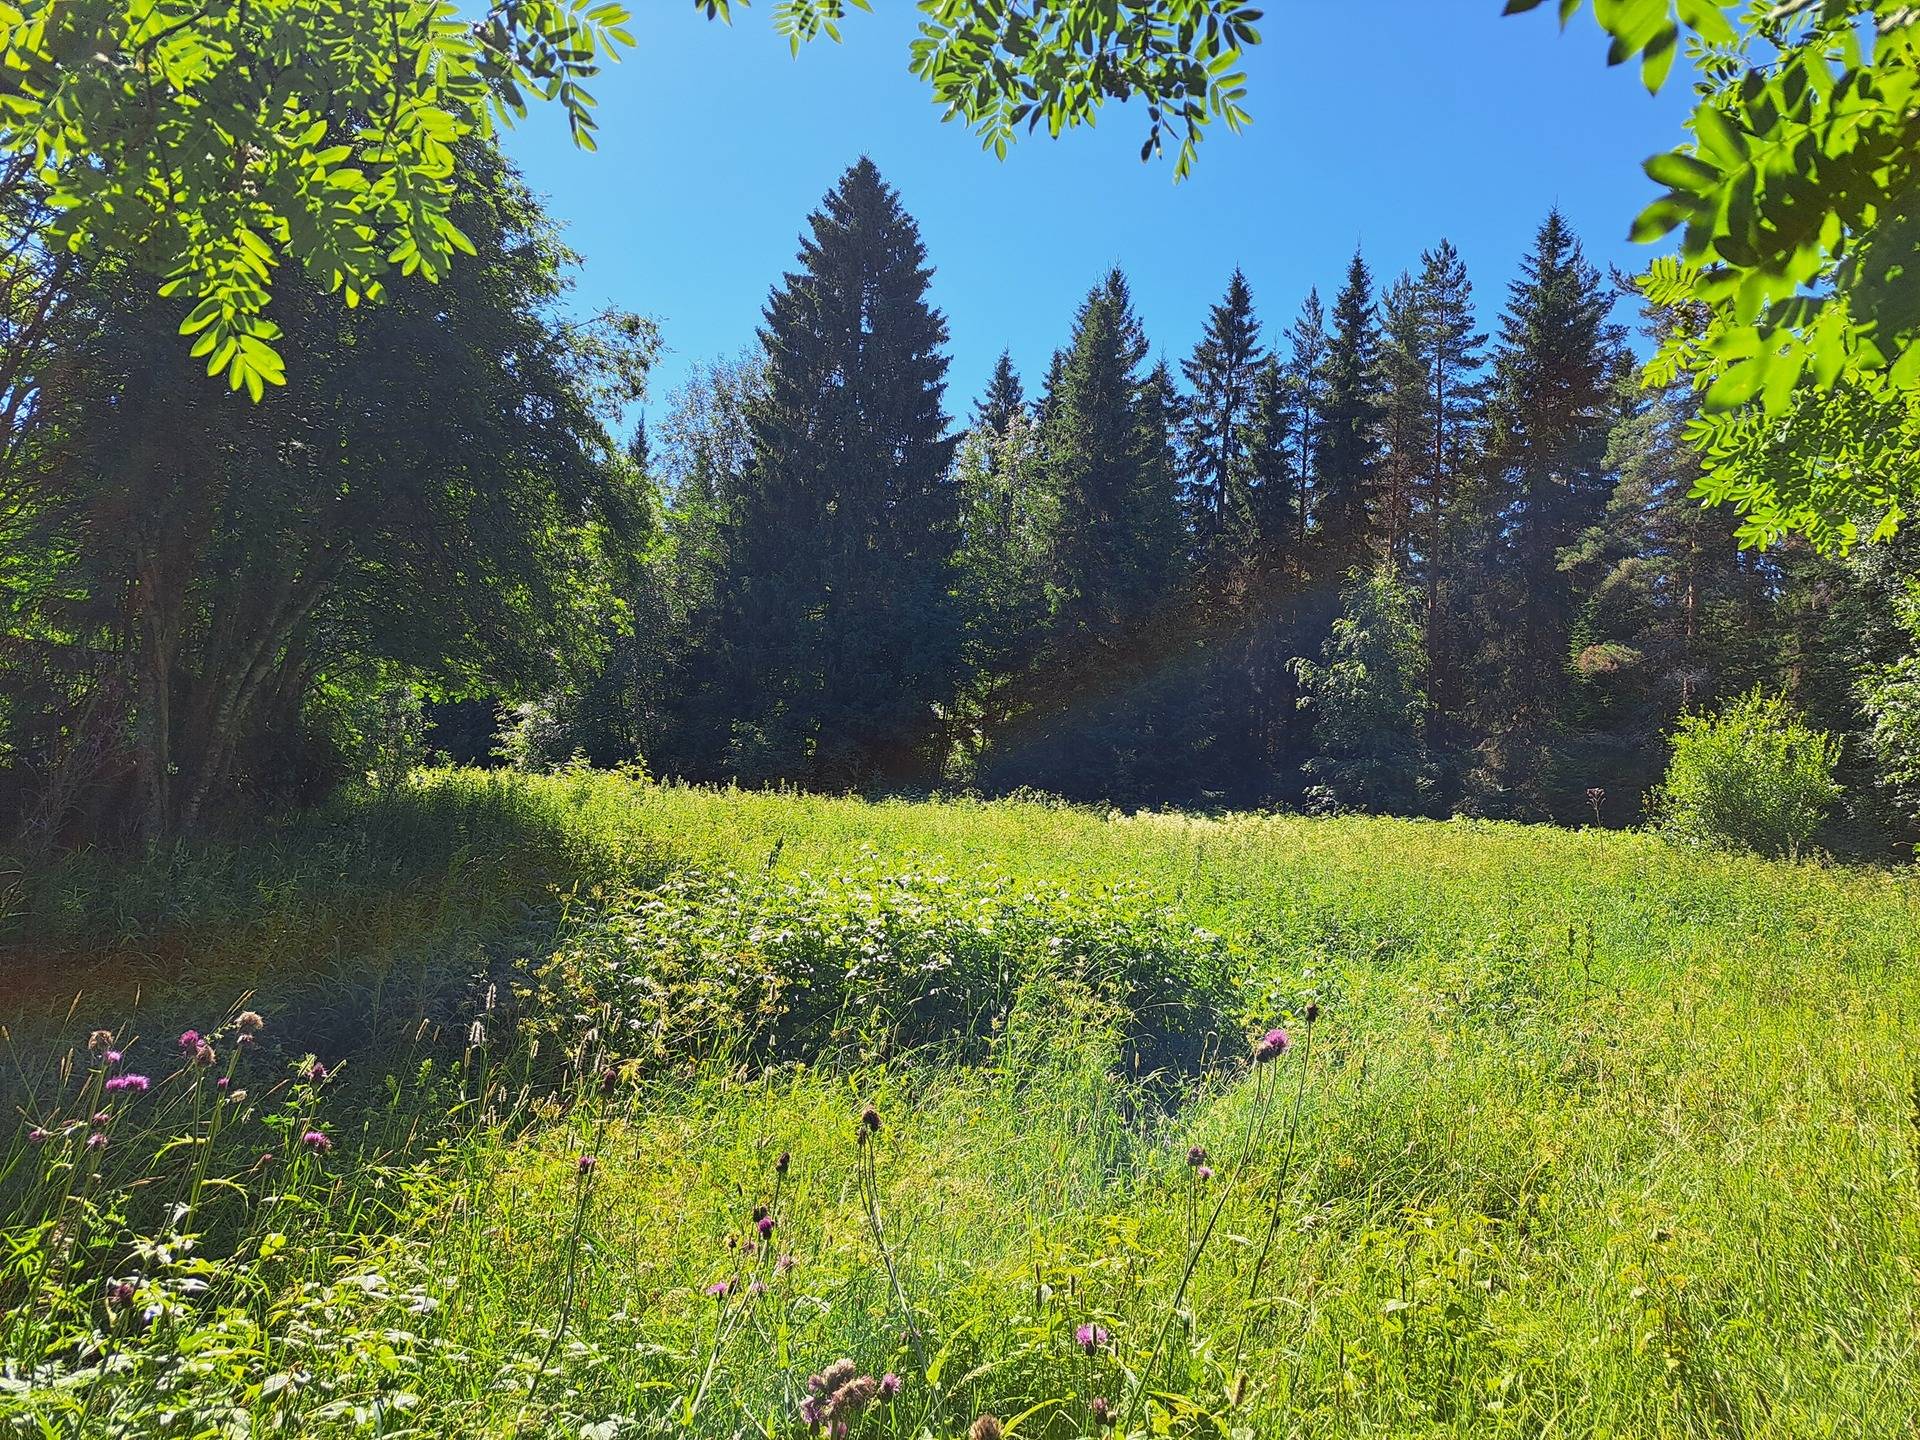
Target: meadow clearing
584 1106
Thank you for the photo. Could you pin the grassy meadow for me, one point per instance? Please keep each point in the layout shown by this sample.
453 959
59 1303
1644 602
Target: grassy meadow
581 1106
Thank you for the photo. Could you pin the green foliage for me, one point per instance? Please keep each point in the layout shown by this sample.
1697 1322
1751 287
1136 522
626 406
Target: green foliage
1890 696
209 144
872 962
1368 705
1753 777
1794 198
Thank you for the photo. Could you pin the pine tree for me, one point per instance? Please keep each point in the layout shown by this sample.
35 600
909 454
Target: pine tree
1346 444
843 634
1004 398
1218 431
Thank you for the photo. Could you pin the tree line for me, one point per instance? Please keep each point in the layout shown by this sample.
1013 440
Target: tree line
1372 557
1368 557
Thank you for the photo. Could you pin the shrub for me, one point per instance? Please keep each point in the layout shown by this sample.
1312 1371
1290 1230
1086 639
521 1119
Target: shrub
1754 777
865 964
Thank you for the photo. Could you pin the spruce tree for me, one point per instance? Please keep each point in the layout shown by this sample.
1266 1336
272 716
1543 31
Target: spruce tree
1455 409
1552 409
1346 443
1403 415
843 631
1306 387
1004 399
1217 432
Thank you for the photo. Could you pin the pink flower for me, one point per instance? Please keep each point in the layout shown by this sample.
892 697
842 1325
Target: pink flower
889 1385
720 1289
37 1136
189 1039
1205 1172
316 1141
1090 1337
96 1141
587 1163
765 1226
1272 1046
136 1083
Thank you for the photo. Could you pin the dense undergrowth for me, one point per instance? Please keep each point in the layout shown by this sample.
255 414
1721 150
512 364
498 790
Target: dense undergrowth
1586 1136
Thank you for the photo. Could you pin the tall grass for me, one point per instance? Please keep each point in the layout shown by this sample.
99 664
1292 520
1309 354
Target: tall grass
1592 1137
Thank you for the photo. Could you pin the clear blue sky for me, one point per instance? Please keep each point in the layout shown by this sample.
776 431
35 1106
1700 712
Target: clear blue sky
1386 123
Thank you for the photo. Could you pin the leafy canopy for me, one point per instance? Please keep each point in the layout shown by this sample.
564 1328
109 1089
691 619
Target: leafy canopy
1795 203
213 141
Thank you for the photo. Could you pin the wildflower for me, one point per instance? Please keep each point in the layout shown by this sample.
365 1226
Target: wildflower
782 1162
117 1084
1196 1155
120 1292
243 1040
609 1080
833 1377
587 1163
189 1040
765 1226
96 1141
1272 1046
720 1289
249 1022
813 1412
316 1141
203 1054
36 1136
222 1083
784 1264
1312 1011
1205 1172
987 1427
101 1118
870 1118
853 1397
315 1073
759 1213
112 1057
889 1385
1090 1337
99 1040
1102 1409
757 1288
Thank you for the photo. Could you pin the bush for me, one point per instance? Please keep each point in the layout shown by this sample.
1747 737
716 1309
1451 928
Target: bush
1754 777
864 964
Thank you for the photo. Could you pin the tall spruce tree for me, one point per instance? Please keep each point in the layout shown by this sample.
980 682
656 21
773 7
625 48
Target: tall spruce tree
1347 443
1403 412
1455 409
1552 410
1306 391
843 634
1218 432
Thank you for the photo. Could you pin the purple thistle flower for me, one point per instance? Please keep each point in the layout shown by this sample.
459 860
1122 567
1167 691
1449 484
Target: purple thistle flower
587 1164
101 1118
96 1141
120 1291
99 1040
112 1057
1205 1172
222 1083
1196 1155
1272 1046
765 1226
889 1384
203 1054
784 1264
1090 1337
136 1083
316 1073
189 1039
36 1136
248 1022
812 1410
316 1141
1102 1409
758 1287
782 1161
720 1289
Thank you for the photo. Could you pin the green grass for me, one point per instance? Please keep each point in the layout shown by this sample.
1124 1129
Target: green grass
1592 1136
